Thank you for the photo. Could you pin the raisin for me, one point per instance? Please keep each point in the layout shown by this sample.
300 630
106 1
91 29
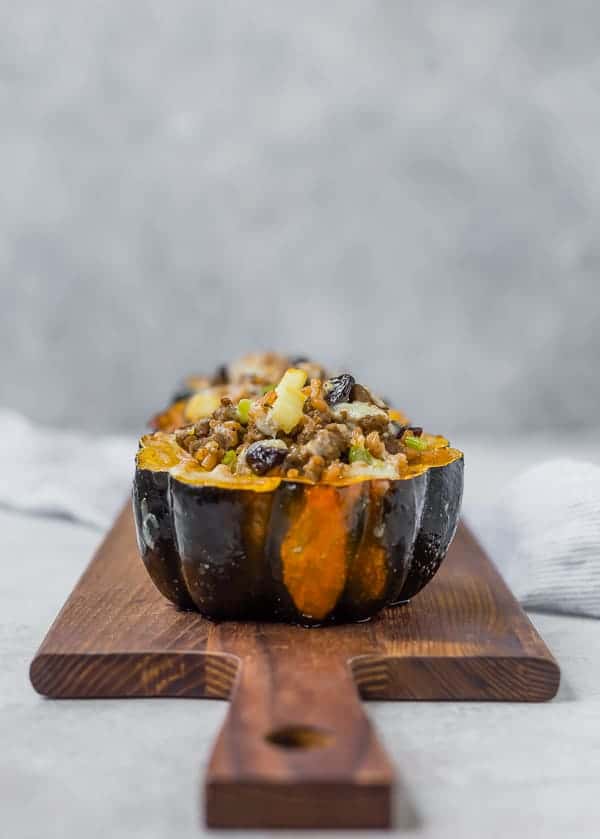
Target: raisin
415 430
339 388
261 457
396 429
299 359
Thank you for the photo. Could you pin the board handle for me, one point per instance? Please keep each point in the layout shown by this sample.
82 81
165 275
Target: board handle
297 751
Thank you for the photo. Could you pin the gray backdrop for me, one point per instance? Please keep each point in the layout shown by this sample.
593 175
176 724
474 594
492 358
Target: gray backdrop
408 189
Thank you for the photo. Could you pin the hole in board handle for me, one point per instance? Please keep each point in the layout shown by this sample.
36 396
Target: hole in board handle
299 737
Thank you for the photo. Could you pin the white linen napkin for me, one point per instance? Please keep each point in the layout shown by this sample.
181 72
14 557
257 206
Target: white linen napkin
56 472
542 532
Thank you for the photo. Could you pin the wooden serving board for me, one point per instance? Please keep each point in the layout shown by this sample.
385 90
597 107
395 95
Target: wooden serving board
296 749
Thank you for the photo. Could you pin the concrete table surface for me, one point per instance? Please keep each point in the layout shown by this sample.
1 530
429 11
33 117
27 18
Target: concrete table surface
132 768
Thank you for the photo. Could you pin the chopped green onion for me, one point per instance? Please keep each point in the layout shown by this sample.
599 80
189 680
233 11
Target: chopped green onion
416 443
243 410
358 454
229 458
267 389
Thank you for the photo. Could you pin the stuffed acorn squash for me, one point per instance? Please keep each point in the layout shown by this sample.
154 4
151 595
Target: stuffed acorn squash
310 504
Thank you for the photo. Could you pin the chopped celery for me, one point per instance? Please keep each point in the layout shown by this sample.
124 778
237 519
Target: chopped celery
229 459
416 443
357 453
267 389
243 410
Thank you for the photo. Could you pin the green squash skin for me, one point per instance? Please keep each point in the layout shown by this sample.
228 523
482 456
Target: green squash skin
225 577
156 541
403 510
225 545
438 526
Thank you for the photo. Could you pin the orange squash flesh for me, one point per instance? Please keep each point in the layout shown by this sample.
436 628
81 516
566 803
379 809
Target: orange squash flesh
314 551
369 571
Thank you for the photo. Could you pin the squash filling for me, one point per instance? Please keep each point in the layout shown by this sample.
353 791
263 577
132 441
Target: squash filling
331 431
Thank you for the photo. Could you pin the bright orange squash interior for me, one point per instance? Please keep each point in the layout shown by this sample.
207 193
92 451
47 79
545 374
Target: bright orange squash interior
314 550
368 573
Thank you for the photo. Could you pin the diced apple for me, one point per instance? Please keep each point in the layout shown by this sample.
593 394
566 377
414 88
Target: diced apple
201 405
293 378
288 407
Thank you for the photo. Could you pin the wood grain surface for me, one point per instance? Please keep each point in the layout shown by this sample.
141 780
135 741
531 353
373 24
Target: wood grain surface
296 749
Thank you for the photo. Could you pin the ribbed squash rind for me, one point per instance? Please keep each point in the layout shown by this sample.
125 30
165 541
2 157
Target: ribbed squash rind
300 553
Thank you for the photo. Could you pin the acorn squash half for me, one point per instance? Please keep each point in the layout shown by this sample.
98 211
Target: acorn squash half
272 548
